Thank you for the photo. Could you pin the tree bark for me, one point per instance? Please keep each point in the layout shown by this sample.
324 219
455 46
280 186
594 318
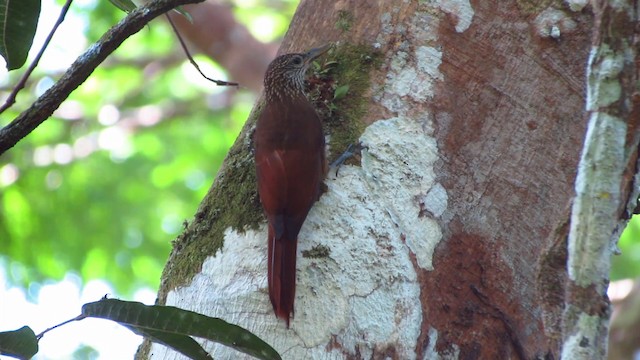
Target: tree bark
449 238
605 195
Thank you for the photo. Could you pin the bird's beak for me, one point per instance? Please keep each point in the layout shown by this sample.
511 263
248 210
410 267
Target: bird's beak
315 53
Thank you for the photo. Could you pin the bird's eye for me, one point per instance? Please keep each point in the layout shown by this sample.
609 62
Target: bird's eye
297 60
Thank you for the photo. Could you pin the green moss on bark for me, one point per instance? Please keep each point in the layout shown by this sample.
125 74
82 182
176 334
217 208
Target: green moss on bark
345 20
348 67
232 202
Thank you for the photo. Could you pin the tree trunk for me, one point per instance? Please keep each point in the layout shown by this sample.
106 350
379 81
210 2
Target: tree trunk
449 238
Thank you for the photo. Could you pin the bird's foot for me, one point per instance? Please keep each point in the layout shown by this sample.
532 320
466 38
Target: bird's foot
352 150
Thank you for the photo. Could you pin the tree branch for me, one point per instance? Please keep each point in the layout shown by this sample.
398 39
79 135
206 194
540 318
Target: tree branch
80 70
23 81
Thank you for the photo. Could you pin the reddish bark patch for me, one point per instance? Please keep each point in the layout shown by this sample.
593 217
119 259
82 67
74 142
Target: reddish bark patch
472 307
589 299
509 123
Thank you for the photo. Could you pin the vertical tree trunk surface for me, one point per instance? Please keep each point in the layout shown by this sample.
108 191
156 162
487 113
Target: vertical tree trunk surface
448 239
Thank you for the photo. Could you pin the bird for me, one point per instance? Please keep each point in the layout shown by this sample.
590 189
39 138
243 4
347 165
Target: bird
289 152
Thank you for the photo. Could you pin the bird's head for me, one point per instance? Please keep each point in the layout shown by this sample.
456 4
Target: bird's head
285 75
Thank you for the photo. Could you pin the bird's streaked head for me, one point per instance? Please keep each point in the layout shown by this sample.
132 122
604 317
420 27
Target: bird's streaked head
285 75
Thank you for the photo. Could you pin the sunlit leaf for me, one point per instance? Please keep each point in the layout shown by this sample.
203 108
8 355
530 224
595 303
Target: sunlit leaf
18 22
340 92
170 325
21 343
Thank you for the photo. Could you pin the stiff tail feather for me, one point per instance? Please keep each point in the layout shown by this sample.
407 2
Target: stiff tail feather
282 274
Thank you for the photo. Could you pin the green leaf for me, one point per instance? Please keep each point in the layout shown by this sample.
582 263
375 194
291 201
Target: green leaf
340 92
171 326
330 64
21 343
18 22
124 5
184 344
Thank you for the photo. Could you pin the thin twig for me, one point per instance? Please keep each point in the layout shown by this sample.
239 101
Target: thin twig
193 62
79 317
23 81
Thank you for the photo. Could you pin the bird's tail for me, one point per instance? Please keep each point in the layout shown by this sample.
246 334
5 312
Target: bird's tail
282 274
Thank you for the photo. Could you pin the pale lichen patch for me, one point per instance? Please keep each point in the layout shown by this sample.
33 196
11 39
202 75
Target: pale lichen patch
436 200
580 346
577 5
398 164
411 75
553 23
368 267
604 86
400 152
461 9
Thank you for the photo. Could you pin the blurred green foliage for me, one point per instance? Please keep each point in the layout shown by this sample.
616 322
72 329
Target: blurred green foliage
103 186
627 265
